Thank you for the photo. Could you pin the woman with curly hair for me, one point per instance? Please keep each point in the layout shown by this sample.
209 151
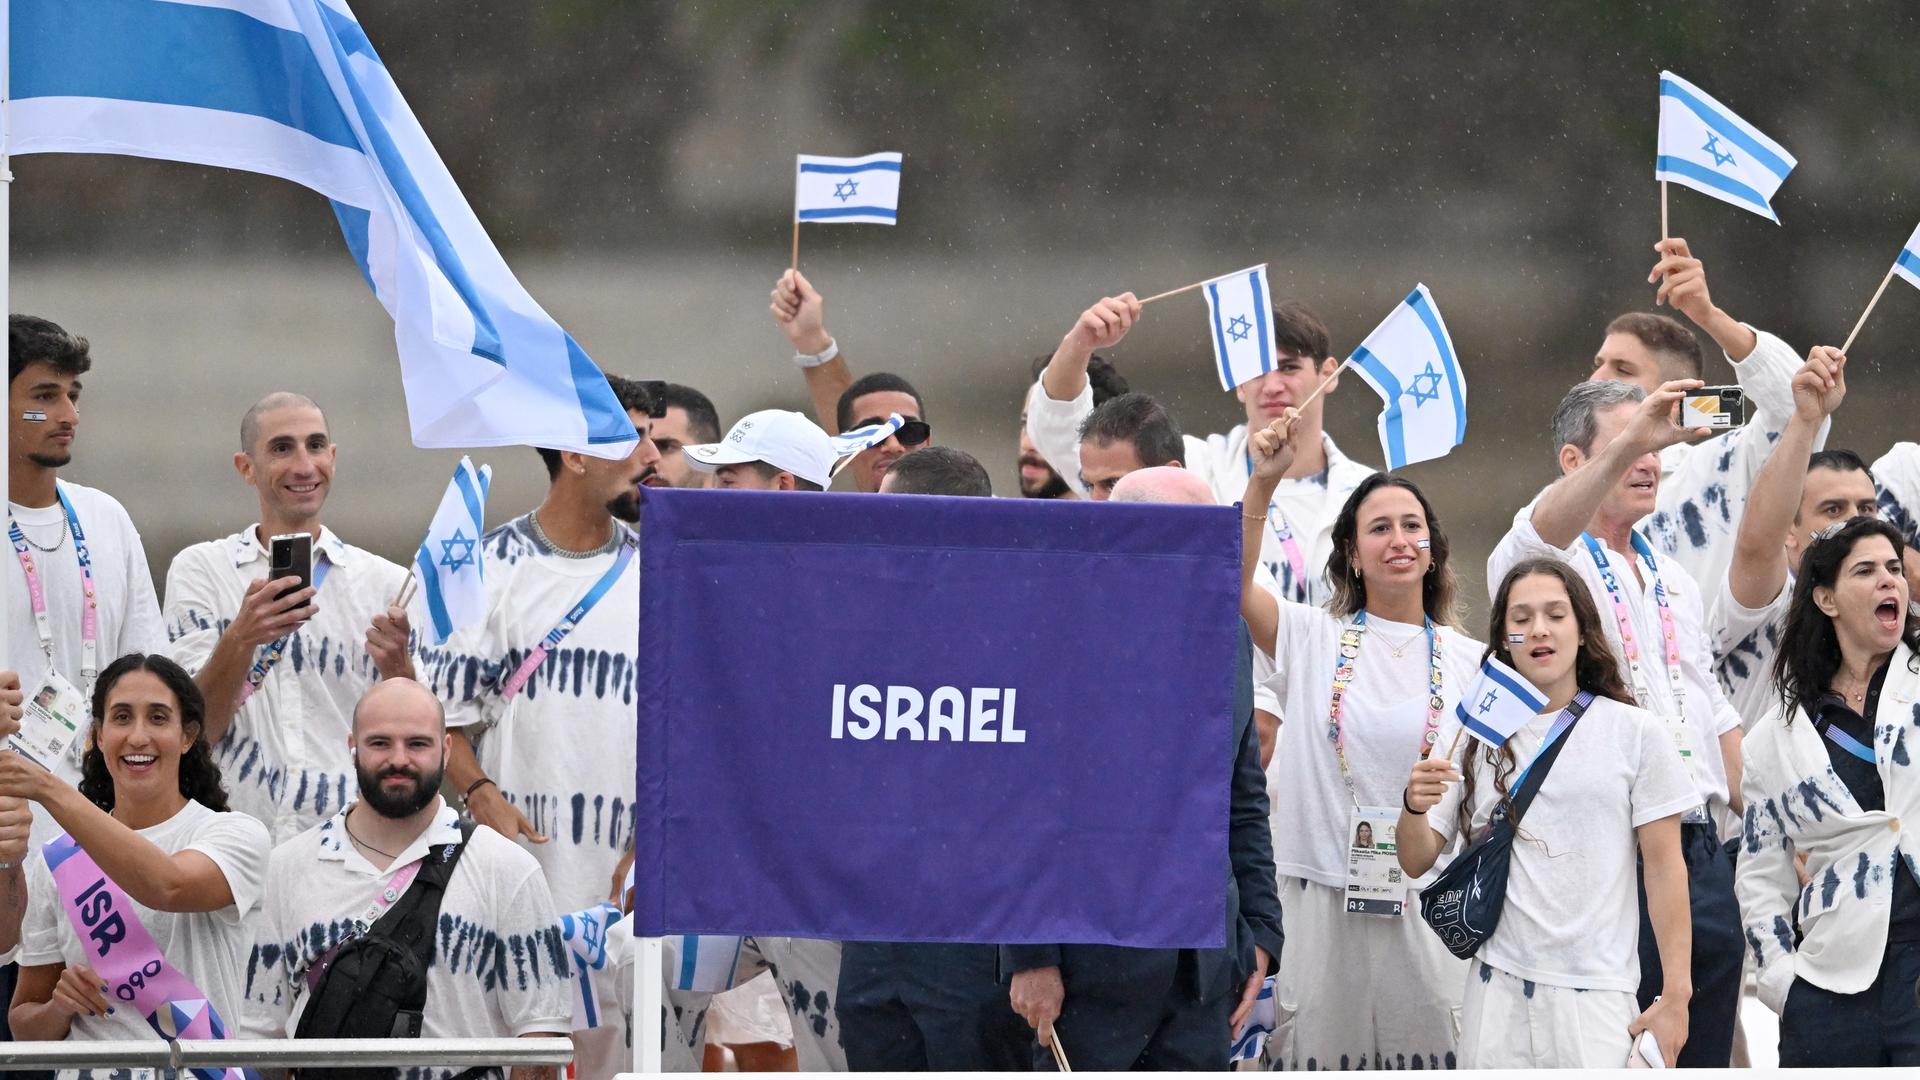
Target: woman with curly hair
140 904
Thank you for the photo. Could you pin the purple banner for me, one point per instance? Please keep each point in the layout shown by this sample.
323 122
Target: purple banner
910 718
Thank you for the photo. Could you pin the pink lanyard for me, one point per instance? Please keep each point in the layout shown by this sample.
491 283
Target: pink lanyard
1343 677
37 591
1624 617
1295 589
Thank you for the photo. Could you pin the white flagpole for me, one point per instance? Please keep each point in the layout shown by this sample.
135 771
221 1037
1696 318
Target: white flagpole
6 238
649 1000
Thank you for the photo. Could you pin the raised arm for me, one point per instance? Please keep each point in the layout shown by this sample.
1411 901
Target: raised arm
801 313
1759 568
1271 448
1565 509
1101 326
1683 284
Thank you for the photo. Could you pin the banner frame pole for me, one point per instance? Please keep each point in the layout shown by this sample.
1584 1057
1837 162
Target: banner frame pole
649 1002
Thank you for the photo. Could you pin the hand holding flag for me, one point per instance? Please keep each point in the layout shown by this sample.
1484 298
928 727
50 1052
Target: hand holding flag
1500 703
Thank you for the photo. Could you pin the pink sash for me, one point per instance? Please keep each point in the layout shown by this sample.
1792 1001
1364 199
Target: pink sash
121 951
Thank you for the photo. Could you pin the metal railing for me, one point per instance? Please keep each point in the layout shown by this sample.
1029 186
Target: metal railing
283 1053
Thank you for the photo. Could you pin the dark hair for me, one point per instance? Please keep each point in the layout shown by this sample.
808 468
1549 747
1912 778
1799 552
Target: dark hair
1437 589
199 776
1139 420
1106 380
1838 461
1809 648
634 395
1595 668
34 340
875 383
768 472
703 420
939 470
1664 337
1298 331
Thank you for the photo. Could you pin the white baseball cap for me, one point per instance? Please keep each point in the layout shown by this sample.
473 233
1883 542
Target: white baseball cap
788 441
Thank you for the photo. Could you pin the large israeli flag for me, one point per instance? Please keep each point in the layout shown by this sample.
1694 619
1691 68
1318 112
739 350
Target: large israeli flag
293 88
448 565
1240 312
1409 362
1704 146
1908 263
844 191
1500 703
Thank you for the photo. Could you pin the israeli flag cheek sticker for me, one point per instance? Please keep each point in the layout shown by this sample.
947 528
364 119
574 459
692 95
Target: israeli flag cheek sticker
34 416
1423 544
1516 639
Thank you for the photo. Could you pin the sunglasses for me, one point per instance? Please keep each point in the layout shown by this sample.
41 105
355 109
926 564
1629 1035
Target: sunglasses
911 433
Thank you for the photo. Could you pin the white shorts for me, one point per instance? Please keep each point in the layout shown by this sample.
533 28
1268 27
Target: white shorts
749 1013
1507 1022
1361 991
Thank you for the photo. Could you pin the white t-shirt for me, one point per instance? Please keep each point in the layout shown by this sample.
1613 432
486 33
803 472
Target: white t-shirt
208 947
1384 717
1572 915
499 968
1708 714
1746 643
563 749
284 759
1897 476
129 615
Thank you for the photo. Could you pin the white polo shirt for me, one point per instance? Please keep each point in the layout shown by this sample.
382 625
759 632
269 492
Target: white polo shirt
284 759
563 749
1707 713
499 967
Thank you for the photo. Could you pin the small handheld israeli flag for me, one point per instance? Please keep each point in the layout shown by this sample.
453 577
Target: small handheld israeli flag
1907 265
1240 312
1500 703
706 962
1409 362
843 191
448 564
585 935
1704 146
1259 1024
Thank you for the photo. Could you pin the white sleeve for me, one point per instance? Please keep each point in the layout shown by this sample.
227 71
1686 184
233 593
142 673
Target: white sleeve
192 614
1054 427
542 1000
267 996
141 630
40 926
1521 543
1764 880
239 845
1897 475
1767 377
1661 787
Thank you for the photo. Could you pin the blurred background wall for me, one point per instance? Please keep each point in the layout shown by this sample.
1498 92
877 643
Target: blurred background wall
634 162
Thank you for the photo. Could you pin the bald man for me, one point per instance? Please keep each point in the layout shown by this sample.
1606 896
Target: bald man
503 971
281 667
1163 484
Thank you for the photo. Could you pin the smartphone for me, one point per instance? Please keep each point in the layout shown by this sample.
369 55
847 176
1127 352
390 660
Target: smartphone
291 556
1721 408
1646 1053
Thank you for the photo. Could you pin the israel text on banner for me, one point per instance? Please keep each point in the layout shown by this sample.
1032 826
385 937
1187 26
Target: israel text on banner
293 89
977 779
1409 361
1907 265
449 564
1500 703
845 191
1704 146
1240 325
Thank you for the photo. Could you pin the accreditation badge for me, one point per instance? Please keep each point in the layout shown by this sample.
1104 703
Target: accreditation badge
1375 883
54 715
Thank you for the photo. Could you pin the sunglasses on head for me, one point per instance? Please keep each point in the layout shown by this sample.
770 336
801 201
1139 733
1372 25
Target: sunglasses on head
911 433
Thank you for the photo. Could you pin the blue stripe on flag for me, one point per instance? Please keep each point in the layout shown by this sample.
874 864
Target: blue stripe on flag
590 1009
689 959
214 58
847 170
355 223
1524 691
1255 284
1219 334
1714 119
1390 388
849 211
473 499
607 420
1479 728
1740 192
1417 300
430 588
1909 262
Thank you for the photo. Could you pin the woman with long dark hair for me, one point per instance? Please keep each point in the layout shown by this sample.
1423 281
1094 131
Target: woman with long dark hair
1554 985
1829 779
1365 683
140 905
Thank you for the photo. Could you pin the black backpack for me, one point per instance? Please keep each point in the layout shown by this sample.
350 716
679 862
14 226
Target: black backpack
374 985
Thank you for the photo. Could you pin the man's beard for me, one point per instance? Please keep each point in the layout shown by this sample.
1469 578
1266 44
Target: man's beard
50 460
625 506
401 804
1055 486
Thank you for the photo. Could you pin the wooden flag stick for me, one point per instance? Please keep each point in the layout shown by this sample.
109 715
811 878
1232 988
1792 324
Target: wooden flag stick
1456 743
407 589
1663 210
1323 385
1059 1055
1174 292
1869 311
794 264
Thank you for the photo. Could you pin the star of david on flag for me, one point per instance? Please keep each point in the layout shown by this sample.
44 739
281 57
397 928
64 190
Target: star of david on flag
1704 146
450 565
1503 702
1907 265
1409 361
845 191
1240 315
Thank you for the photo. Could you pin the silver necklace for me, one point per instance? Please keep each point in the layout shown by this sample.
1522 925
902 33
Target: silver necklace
1399 651
545 541
37 546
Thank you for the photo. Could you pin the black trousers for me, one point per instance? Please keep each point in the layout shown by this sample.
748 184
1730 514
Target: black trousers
9 978
1878 1026
1717 945
1158 1028
918 1007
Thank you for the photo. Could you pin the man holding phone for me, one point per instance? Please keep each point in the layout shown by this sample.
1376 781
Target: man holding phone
286 626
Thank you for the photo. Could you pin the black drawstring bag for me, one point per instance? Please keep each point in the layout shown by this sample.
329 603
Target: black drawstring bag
1463 904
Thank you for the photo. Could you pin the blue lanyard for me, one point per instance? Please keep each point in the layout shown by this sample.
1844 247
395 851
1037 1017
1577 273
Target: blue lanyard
1850 744
37 594
270 654
555 636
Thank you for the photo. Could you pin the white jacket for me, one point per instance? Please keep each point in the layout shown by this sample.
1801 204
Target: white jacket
1796 803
